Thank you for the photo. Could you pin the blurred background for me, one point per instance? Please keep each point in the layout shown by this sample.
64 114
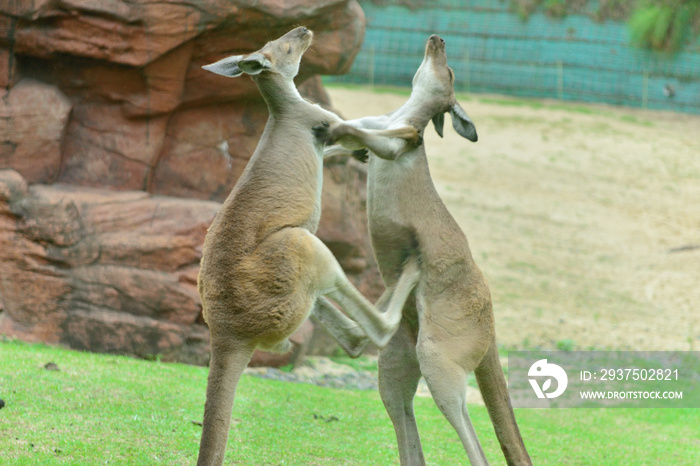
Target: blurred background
116 151
636 53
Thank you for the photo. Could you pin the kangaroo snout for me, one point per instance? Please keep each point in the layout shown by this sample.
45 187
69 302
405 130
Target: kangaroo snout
437 40
435 44
301 32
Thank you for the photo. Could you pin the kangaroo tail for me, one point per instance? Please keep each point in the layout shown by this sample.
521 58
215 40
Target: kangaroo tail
494 390
225 368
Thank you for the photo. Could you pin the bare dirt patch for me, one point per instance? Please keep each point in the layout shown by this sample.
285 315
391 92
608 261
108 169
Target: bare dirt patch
584 218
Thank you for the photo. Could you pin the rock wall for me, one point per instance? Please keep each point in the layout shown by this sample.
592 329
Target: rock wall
118 148
102 270
131 108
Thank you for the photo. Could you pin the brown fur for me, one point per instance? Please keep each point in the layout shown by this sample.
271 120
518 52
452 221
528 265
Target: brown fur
262 268
448 326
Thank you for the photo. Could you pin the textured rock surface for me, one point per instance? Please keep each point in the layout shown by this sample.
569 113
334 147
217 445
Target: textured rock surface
145 116
102 270
33 118
108 100
116 271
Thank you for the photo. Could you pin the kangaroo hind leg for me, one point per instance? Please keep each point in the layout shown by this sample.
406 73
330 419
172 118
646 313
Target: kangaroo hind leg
228 360
379 326
399 374
343 329
494 390
447 380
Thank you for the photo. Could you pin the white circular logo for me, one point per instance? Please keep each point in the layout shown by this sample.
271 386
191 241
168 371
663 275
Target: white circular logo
551 371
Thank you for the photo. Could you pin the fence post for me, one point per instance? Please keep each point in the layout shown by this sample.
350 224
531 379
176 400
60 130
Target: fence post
560 79
370 67
645 88
467 70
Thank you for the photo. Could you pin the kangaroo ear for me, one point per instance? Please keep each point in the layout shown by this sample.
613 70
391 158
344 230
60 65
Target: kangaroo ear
254 63
462 123
226 67
439 122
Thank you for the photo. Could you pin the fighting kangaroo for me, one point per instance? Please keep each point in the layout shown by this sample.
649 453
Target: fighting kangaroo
262 267
447 328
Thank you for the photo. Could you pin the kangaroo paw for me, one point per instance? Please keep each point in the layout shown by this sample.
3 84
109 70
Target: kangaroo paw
361 155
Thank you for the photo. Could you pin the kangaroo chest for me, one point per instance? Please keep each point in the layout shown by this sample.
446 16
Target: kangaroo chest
398 193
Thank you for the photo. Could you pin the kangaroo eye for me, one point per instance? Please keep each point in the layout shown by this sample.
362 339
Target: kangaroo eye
289 50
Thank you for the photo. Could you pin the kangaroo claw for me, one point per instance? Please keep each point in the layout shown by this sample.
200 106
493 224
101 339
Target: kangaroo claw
361 155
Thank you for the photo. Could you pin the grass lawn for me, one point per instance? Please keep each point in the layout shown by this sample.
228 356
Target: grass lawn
104 409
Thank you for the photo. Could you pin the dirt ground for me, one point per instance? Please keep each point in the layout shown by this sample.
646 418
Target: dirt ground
585 219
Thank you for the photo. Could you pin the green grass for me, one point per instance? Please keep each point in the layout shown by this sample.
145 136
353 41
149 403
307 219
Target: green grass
103 409
359 364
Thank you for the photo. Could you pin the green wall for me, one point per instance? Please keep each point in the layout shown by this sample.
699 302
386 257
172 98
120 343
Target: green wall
493 50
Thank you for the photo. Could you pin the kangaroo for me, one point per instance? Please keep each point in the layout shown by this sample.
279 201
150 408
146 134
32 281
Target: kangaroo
262 267
447 328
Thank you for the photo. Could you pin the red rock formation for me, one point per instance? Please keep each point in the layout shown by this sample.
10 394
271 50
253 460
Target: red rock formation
143 109
102 270
111 95
33 118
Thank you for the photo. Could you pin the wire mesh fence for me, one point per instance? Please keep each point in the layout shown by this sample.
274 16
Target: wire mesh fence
493 50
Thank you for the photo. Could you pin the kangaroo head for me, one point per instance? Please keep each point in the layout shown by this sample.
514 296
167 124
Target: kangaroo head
281 56
434 83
